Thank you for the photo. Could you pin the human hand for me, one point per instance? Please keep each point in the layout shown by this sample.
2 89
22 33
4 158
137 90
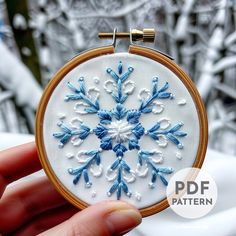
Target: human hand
33 207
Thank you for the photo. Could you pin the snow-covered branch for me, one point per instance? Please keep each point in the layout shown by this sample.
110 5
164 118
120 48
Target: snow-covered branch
183 21
213 53
16 77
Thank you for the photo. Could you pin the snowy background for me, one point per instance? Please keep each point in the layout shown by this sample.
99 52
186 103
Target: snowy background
38 36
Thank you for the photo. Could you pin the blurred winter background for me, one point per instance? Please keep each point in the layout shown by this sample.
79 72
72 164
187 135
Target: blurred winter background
38 36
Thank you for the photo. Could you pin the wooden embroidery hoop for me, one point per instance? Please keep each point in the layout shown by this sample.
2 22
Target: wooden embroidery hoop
133 49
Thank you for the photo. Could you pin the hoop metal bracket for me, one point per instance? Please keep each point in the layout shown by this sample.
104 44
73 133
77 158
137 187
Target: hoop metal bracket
145 35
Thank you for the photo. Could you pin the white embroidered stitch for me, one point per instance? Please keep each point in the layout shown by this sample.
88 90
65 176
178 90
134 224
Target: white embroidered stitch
142 171
144 94
120 130
182 102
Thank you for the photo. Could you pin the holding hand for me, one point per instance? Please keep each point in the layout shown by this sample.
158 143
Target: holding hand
34 207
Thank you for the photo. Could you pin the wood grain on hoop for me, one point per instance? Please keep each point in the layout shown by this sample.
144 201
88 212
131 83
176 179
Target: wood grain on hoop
40 117
203 138
103 51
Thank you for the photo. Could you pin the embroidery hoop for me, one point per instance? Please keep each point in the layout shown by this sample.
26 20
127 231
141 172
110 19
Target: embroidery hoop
153 54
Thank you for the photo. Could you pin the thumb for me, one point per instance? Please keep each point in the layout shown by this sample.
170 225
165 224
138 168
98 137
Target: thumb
102 219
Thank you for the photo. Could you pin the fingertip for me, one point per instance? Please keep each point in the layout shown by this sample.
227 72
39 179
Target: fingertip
123 220
102 219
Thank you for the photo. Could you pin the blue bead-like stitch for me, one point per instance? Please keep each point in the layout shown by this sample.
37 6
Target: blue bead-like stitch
108 121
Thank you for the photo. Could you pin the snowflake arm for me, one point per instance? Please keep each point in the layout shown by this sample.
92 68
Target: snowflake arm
146 156
172 134
147 106
67 133
119 184
94 156
120 96
81 94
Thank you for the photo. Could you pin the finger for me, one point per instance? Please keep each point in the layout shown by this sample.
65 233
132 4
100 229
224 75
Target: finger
103 219
46 221
26 200
16 163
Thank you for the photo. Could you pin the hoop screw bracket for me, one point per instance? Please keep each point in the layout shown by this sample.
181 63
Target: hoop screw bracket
145 35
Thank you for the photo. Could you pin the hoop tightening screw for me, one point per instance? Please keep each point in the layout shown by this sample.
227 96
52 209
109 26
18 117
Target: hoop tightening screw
145 35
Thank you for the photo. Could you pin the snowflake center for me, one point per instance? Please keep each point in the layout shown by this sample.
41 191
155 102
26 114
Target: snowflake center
120 130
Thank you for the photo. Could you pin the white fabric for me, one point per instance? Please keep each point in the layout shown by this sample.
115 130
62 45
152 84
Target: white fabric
220 222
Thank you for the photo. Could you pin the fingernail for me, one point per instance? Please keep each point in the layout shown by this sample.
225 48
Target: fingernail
122 220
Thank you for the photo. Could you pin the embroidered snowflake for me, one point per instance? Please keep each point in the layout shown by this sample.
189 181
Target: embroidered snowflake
120 130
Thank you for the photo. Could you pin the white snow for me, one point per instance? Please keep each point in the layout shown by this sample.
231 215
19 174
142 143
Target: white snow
19 22
26 51
17 78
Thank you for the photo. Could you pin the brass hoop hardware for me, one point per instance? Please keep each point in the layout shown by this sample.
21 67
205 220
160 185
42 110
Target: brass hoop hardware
145 35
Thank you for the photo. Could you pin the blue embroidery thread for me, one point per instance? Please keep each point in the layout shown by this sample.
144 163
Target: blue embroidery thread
119 130
170 133
66 133
119 184
156 171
